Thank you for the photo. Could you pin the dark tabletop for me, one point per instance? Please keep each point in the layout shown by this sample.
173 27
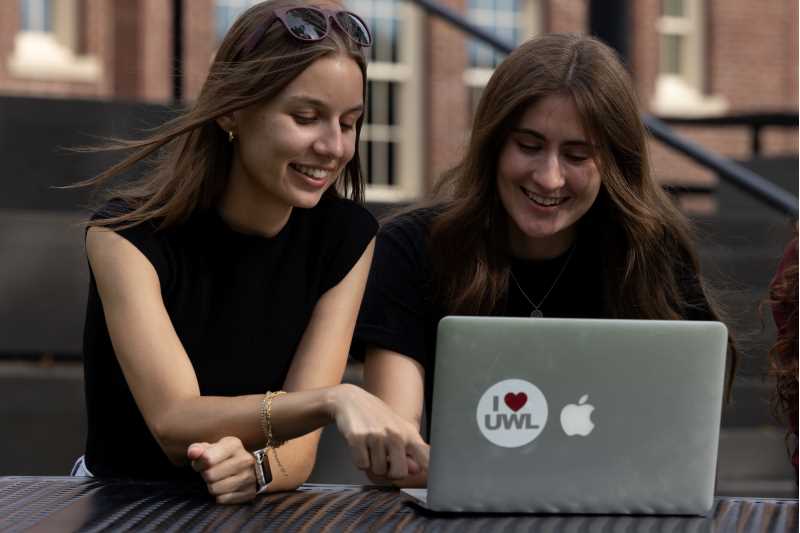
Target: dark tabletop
72 504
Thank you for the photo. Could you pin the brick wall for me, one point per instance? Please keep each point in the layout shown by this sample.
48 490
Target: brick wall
128 60
200 44
753 49
566 16
447 104
155 50
644 48
752 63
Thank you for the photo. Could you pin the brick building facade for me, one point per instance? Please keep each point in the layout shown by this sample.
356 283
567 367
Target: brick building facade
688 57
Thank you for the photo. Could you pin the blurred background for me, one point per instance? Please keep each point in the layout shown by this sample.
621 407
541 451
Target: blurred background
718 76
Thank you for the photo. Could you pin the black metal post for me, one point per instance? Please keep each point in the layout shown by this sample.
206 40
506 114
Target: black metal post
609 20
177 51
755 141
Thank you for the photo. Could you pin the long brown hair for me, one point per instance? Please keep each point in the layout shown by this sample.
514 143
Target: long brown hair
783 355
190 156
644 236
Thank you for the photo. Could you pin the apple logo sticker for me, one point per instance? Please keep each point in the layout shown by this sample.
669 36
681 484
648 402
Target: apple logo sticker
576 419
512 413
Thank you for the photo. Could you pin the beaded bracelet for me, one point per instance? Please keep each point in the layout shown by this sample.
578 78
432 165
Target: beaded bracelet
266 426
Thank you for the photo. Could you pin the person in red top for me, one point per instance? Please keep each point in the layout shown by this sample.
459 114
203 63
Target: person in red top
783 355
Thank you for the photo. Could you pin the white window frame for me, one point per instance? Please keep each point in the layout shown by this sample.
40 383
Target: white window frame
405 134
682 94
40 54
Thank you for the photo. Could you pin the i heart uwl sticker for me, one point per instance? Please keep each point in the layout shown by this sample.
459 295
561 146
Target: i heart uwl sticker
512 413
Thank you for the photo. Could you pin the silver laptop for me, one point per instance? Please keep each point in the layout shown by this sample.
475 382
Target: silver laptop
576 416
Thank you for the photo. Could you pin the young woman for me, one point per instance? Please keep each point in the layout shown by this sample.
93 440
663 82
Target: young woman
235 267
552 212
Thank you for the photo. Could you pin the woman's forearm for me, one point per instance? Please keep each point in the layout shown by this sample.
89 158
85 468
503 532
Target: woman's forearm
297 457
379 439
209 418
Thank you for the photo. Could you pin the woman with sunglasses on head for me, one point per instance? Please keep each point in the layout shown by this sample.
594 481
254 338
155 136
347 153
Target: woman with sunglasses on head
551 212
235 267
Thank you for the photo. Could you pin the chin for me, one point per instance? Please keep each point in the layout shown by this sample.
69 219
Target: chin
540 234
306 200
538 229
543 234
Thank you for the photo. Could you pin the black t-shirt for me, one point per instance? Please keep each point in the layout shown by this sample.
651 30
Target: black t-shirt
239 303
400 314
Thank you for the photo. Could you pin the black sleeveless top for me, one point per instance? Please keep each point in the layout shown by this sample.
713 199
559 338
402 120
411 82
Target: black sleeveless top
239 303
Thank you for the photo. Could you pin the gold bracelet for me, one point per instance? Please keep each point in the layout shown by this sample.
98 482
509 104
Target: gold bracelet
266 425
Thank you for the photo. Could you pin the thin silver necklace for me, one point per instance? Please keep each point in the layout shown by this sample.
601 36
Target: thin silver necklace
537 312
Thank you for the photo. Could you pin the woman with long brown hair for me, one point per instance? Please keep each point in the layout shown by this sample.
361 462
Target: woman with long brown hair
551 212
226 279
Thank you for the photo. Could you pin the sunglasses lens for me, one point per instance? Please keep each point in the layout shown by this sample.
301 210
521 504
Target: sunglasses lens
354 27
307 24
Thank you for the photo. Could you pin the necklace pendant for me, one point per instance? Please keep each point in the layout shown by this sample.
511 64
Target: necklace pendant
536 313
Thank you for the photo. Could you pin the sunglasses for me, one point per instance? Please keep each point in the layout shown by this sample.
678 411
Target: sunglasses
310 24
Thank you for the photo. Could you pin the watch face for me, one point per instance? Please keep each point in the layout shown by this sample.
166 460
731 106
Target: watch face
263 471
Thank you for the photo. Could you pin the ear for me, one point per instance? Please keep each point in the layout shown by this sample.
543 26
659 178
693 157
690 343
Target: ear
227 122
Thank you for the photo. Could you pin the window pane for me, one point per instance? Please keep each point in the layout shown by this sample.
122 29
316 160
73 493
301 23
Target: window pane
221 22
380 139
385 23
382 103
671 54
378 162
502 18
36 15
24 14
673 8
226 12
507 6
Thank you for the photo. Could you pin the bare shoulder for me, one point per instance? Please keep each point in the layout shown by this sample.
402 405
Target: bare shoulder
99 238
116 261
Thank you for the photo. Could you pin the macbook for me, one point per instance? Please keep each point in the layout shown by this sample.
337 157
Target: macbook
576 415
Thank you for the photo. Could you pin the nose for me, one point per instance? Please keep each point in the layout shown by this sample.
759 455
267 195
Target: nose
548 174
330 142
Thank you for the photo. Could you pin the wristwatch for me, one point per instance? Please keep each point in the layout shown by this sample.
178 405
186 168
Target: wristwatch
263 472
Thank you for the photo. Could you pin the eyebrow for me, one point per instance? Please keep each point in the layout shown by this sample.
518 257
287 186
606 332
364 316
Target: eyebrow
568 142
316 102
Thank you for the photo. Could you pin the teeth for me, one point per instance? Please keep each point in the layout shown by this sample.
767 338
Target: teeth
316 173
543 200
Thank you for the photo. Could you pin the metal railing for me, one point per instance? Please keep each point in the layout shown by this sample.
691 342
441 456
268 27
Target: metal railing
727 169
755 122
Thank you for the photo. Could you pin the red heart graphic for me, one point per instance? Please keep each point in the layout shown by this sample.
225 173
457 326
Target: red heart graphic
515 401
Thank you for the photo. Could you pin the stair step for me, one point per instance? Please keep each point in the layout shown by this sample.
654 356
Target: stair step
754 462
750 403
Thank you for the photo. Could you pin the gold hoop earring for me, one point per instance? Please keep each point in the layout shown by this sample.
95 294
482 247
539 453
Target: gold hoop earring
231 136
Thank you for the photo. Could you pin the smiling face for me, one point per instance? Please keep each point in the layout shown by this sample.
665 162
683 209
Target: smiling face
289 150
547 178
